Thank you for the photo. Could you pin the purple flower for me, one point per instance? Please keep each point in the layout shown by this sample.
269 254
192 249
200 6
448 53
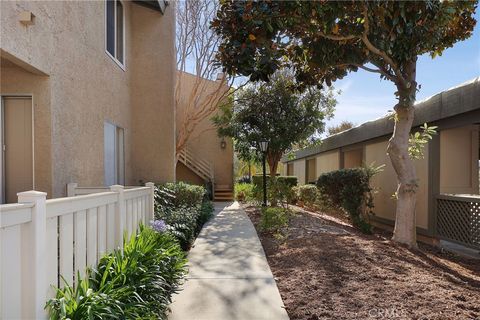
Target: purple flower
158 225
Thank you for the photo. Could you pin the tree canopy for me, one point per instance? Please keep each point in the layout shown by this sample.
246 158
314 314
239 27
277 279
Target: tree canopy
342 126
276 112
324 40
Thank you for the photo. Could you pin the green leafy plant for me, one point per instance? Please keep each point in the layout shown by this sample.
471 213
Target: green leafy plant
136 283
419 139
274 219
82 302
182 223
206 213
350 189
184 208
164 198
279 189
291 181
244 192
307 194
186 194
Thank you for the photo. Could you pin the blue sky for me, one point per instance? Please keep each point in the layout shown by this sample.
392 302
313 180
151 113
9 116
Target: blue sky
365 97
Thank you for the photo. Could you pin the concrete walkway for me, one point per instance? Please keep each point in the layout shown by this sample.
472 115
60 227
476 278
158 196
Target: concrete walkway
229 276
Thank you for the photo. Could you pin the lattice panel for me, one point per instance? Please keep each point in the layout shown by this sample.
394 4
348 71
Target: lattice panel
459 221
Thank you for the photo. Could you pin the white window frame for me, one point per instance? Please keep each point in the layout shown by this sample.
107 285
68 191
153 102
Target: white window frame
122 65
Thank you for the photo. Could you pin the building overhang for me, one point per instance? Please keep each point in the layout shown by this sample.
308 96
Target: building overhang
452 102
157 5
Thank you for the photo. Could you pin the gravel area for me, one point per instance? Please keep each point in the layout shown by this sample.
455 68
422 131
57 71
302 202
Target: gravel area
325 269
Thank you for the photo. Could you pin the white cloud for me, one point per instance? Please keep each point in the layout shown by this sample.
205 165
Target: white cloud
359 109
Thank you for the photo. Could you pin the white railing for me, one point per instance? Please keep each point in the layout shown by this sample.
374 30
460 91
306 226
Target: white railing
201 167
42 241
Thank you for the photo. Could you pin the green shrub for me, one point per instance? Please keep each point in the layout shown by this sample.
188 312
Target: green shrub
279 189
206 213
184 208
134 284
164 198
244 192
307 194
350 189
186 194
280 192
182 223
274 219
291 181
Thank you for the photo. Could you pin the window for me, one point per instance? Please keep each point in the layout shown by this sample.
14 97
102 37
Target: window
311 173
115 30
114 156
290 169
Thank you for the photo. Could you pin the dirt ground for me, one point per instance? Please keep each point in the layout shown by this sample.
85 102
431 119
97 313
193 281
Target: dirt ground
325 269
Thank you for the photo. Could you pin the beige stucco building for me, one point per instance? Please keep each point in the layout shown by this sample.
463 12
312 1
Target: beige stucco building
209 158
448 201
87 92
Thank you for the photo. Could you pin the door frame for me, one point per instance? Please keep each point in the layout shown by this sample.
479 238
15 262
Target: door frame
2 140
117 153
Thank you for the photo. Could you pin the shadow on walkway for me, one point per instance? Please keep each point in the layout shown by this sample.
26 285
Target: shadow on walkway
229 277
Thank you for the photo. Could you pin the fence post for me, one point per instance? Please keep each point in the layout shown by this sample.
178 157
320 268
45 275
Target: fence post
151 206
39 287
71 189
120 215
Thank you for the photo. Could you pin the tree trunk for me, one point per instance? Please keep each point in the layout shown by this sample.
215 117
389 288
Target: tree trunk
405 221
273 160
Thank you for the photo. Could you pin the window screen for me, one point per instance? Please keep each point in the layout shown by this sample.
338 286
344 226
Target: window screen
111 27
115 30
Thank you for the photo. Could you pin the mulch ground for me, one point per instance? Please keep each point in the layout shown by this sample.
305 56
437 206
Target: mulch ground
325 269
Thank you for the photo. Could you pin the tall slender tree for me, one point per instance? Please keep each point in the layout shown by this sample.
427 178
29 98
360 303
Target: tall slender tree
324 40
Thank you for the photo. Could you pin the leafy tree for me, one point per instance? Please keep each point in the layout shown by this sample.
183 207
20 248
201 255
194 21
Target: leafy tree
324 40
342 126
276 112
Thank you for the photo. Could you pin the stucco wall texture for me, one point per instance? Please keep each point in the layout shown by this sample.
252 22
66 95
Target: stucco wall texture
204 141
459 149
385 183
82 87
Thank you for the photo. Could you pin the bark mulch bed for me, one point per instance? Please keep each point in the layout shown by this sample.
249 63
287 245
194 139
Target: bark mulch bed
325 269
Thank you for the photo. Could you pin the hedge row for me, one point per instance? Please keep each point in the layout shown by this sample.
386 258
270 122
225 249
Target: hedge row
183 208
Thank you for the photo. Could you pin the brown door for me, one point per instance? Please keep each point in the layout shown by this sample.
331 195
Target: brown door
18 151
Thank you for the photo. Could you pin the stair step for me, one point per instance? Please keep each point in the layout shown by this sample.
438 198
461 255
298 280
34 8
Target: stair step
223 194
223 199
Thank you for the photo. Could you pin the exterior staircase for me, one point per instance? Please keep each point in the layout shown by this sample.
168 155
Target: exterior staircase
204 170
200 167
223 193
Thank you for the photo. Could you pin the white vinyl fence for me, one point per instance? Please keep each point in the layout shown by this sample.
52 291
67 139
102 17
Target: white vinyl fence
43 240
